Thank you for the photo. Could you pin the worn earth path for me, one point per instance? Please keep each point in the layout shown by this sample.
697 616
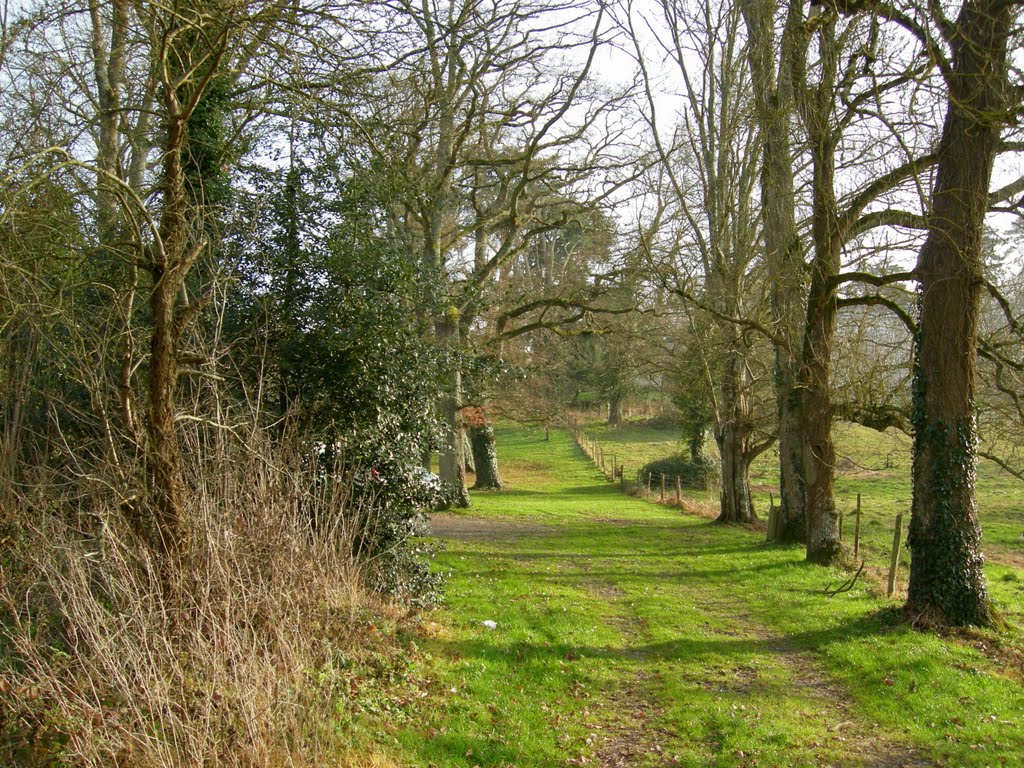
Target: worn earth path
626 634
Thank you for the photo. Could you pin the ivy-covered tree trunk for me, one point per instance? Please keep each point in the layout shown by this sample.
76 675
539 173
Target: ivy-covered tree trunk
947 581
168 268
694 428
451 457
485 456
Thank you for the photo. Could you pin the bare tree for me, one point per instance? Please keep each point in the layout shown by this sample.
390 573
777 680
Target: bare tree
867 156
711 162
772 56
947 583
497 121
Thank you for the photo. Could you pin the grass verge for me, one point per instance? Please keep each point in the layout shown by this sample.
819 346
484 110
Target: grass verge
629 634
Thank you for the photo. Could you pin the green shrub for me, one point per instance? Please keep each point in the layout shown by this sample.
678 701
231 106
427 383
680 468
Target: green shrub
697 474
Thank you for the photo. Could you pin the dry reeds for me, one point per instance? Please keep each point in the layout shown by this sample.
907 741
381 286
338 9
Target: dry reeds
104 664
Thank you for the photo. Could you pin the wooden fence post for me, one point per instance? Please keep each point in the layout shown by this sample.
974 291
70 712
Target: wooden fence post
856 531
897 538
679 492
662 488
840 526
648 485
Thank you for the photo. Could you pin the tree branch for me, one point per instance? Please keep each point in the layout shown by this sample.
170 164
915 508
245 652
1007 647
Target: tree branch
875 300
871 279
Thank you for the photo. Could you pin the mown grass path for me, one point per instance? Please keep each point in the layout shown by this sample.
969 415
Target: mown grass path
631 635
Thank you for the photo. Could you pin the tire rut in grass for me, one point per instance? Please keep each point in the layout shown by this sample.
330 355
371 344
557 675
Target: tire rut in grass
859 739
629 734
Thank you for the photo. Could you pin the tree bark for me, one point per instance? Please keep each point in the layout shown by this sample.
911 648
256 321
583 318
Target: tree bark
468 454
947 580
792 526
485 457
171 260
774 103
733 437
615 411
167 272
451 459
823 544
816 410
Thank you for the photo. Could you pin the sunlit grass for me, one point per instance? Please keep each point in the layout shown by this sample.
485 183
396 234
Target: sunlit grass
625 622
876 466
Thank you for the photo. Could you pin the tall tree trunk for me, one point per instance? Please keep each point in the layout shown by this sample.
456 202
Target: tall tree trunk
163 454
451 459
485 456
816 409
171 259
167 271
774 103
615 411
468 456
947 581
823 543
733 436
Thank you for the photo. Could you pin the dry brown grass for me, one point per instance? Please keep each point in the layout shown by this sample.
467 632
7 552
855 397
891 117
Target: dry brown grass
235 664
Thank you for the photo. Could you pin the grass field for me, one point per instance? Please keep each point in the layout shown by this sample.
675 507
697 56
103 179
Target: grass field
877 467
629 634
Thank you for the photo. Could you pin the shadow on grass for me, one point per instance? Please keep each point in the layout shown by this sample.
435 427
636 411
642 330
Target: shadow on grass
720 648
572 574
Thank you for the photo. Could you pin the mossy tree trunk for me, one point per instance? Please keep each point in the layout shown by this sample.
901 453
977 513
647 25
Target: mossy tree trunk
774 104
947 581
485 456
816 409
733 438
451 458
169 265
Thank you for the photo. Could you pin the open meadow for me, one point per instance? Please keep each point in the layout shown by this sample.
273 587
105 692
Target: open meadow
627 632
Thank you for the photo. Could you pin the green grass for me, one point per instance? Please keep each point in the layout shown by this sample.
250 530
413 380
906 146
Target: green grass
627 627
876 466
